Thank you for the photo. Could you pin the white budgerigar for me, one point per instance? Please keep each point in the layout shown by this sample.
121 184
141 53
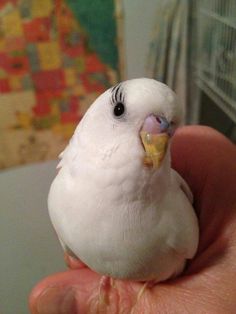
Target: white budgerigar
115 202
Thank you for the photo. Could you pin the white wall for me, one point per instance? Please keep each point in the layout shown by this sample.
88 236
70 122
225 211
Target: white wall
139 22
29 247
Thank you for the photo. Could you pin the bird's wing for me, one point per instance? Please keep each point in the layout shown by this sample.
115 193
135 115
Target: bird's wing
68 153
60 164
184 238
183 185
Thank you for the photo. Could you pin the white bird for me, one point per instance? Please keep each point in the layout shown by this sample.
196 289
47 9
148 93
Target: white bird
116 203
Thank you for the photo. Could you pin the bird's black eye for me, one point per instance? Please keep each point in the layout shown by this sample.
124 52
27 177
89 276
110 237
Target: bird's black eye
119 109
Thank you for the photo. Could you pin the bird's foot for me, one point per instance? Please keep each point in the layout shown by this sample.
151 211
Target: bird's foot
146 285
106 283
73 262
141 291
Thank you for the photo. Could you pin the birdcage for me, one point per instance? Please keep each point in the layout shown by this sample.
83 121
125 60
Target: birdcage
216 61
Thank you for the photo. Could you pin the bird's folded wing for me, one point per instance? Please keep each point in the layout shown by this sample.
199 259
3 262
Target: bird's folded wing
184 240
183 185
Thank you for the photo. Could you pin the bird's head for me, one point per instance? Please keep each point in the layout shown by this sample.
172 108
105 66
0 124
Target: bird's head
144 107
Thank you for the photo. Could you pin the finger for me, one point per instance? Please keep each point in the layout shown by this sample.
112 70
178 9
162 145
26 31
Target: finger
204 293
77 291
56 293
206 159
200 153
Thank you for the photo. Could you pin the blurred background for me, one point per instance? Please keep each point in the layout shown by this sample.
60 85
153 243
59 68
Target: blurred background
56 57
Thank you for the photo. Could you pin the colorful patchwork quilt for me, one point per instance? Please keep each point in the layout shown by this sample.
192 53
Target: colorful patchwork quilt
55 59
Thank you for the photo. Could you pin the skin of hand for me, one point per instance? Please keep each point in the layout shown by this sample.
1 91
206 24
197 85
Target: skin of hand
207 161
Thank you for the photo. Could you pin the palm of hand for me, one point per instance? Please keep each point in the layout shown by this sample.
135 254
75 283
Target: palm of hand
207 161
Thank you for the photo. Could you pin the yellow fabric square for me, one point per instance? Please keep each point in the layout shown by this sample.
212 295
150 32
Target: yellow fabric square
65 129
2 45
78 90
15 82
11 24
49 55
55 110
24 120
41 8
70 76
21 101
3 74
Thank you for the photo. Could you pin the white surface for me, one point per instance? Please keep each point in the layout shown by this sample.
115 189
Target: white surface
29 247
139 20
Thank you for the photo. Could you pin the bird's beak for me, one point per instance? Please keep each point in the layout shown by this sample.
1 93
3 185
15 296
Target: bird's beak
155 134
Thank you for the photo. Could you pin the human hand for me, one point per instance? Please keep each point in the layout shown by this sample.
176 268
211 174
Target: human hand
207 161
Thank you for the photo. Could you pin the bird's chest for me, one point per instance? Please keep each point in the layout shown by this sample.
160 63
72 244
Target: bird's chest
111 207
113 192
109 217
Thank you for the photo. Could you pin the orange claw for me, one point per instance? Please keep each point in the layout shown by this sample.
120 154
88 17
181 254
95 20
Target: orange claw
73 262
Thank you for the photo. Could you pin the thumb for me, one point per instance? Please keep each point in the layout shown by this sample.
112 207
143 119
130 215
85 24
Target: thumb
77 291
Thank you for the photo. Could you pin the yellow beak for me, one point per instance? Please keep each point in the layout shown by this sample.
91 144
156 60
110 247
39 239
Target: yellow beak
155 146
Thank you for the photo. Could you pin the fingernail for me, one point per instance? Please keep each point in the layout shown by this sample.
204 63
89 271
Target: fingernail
57 300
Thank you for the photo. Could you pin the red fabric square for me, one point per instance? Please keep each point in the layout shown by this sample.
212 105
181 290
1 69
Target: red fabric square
37 30
4 86
3 61
69 117
93 64
18 65
49 80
